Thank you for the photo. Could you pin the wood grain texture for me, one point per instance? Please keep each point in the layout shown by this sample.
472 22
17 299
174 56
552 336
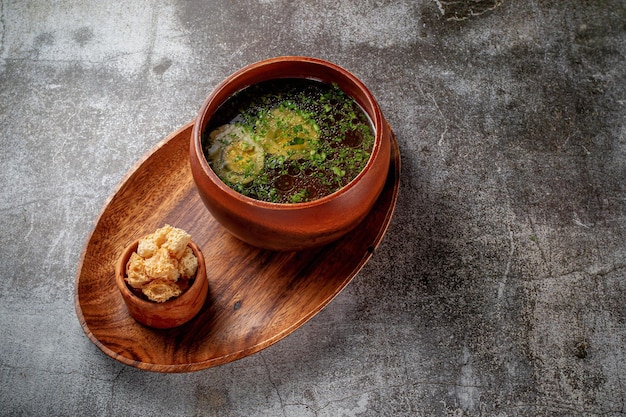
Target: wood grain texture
256 297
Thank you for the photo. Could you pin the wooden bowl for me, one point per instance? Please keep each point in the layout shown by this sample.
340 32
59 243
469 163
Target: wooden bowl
171 313
298 226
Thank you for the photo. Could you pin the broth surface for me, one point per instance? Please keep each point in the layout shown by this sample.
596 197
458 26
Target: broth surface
288 140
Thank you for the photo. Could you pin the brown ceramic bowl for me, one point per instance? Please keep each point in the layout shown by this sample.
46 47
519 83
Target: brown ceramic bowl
300 225
172 313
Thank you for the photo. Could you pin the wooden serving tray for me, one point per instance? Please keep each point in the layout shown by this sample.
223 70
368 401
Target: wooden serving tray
256 297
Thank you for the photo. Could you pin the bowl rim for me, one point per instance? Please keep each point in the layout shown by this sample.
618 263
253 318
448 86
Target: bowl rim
120 274
199 123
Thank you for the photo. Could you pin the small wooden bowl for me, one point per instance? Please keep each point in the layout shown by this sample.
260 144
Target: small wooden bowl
172 313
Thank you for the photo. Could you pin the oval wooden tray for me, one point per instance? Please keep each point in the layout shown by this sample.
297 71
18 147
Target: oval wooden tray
256 297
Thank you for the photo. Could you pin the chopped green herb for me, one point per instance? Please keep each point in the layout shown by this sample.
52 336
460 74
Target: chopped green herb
311 131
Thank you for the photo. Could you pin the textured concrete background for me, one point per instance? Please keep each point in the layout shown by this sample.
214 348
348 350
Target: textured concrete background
500 288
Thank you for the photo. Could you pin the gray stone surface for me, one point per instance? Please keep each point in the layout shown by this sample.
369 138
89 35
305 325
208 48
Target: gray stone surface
500 288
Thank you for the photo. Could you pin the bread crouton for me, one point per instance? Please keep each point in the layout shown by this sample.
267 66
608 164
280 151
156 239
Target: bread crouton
188 264
162 266
161 290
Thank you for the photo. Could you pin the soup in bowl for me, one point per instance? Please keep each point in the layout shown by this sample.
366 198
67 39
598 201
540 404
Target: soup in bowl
290 153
